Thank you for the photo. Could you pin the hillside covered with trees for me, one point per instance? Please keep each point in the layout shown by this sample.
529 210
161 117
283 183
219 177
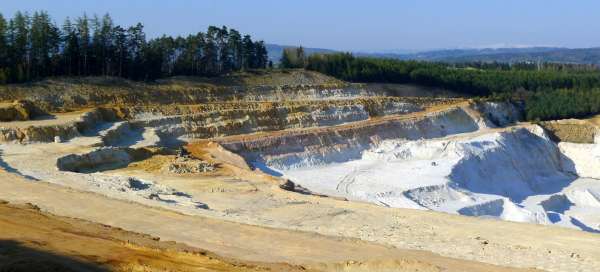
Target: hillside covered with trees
34 47
551 91
480 79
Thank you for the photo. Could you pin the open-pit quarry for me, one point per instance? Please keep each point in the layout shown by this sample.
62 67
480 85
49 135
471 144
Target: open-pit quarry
298 168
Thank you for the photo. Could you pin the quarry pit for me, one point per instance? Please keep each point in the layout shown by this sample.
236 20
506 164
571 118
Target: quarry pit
325 157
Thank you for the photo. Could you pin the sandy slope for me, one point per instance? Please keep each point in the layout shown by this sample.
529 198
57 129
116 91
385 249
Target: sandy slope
245 242
31 240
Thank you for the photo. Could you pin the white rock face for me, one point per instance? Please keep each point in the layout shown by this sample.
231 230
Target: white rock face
500 113
516 174
308 150
585 158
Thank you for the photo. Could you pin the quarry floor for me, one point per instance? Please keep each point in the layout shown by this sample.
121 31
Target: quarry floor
106 248
252 220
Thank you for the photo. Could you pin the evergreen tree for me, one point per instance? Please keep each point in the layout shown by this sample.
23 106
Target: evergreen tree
248 53
83 40
300 57
121 52
200 65
225 53
235 46
33 48
286 59
44 45
106 40
210 52
3 50
293 58
19 47
262 56
136 45
71 50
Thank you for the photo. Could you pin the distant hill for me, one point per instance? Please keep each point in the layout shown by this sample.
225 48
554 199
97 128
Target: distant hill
275 51
559 55
533 54
443 54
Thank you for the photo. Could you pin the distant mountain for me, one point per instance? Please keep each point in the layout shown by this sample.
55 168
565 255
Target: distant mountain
275 51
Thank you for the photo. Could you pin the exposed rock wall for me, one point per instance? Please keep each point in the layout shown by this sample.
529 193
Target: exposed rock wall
373 105
573 131
171 122
20 110
586 156
97 159
69 130
500 114
64 94
69 94
345 143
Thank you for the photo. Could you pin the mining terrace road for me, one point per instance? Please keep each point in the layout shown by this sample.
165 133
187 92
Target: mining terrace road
365 123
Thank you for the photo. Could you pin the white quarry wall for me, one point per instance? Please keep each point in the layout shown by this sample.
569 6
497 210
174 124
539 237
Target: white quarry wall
516 174
585 158
500 113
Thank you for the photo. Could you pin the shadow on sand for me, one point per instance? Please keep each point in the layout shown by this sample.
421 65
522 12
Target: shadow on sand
17 257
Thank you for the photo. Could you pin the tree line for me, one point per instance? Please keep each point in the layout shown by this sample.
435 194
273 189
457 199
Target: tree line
34 47
469 78
293 57
550 91
562 104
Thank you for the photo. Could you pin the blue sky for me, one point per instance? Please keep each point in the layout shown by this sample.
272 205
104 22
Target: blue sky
374 25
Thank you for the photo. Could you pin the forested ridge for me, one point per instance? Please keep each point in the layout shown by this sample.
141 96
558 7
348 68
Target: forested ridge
480 79
34 47
550 91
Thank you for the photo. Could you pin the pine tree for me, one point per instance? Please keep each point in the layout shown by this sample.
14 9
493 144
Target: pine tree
210 52
33 48
262 57
286 59
225 53
248 53
3 50
54 47
136 45
235 45
300 57
44 45
71 50
200 55
105 46
293 58
96 56
83 39
121 52
19 41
